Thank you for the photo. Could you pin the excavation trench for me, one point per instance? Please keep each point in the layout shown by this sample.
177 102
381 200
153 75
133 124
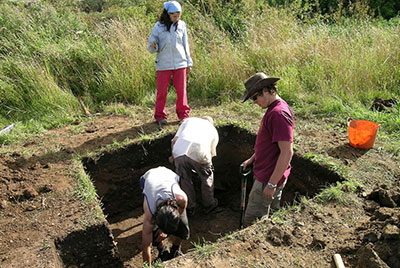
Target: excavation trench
116 178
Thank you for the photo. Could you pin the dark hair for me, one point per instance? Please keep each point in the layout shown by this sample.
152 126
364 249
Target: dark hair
167 216
271 88
166 20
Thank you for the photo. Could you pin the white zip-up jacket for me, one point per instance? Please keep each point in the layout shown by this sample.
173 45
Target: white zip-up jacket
172 46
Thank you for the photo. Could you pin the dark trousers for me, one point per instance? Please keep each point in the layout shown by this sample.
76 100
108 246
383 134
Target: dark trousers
183 167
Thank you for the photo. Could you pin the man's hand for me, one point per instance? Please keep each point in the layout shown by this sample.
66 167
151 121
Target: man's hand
269 193
248 163
153 44
171 159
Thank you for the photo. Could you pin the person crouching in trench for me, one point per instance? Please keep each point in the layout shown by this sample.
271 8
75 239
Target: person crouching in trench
164 208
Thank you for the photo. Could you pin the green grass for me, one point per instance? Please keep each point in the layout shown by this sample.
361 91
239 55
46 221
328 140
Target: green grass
337 193
280 217
53 53
325 161
157 264
204 250
86 192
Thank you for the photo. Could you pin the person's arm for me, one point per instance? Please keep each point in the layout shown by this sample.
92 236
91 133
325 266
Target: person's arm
173 141
152 43
147 230
187 49
214 143
285 156
181 199
248 162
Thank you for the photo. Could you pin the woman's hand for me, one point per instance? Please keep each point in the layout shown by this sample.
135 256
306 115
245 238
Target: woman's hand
188 70
153 44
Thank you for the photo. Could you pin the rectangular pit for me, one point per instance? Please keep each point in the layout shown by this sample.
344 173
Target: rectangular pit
116 177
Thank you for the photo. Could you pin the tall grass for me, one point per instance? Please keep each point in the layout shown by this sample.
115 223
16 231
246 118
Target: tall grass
128 72
50 54
354 62
29 88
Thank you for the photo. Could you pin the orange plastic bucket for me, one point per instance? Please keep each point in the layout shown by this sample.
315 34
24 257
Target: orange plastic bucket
362 133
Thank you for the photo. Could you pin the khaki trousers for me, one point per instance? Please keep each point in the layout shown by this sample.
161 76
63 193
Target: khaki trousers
258 206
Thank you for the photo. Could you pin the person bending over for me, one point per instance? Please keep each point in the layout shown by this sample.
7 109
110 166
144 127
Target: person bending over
193 147
164 208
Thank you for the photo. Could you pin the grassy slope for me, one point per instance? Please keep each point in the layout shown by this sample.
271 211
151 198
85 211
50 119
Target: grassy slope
52 54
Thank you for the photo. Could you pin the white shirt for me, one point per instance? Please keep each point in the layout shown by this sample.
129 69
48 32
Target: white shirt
197 138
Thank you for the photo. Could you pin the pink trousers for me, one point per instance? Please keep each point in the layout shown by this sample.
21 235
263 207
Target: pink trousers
179 81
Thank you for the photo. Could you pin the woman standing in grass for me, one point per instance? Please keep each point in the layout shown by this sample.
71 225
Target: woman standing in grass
169 39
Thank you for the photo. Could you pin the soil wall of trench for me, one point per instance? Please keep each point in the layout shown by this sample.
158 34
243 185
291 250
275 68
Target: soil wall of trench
116 177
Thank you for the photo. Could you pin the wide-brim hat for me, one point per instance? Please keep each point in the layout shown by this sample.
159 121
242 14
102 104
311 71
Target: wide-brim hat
257 82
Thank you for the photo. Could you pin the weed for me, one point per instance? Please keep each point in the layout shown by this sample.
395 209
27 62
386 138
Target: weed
44 245
279 217
77 129
330 194
337 193
156 264
204 250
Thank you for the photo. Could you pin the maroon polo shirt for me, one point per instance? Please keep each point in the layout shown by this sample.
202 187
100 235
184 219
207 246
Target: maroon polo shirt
276 125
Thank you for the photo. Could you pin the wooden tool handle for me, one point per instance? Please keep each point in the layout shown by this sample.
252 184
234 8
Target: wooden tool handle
338 261
83 106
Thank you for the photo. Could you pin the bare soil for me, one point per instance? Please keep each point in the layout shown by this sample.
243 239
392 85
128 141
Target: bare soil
44 223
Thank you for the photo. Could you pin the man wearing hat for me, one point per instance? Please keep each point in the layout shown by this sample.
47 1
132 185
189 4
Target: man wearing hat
273 149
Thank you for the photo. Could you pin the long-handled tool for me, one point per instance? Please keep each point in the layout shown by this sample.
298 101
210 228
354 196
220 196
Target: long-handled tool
87 113
244 174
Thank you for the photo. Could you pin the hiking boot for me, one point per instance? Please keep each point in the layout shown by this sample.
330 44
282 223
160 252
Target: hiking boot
162 123
211 207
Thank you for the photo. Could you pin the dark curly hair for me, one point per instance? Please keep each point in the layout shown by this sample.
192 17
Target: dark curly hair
166 20
167 216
